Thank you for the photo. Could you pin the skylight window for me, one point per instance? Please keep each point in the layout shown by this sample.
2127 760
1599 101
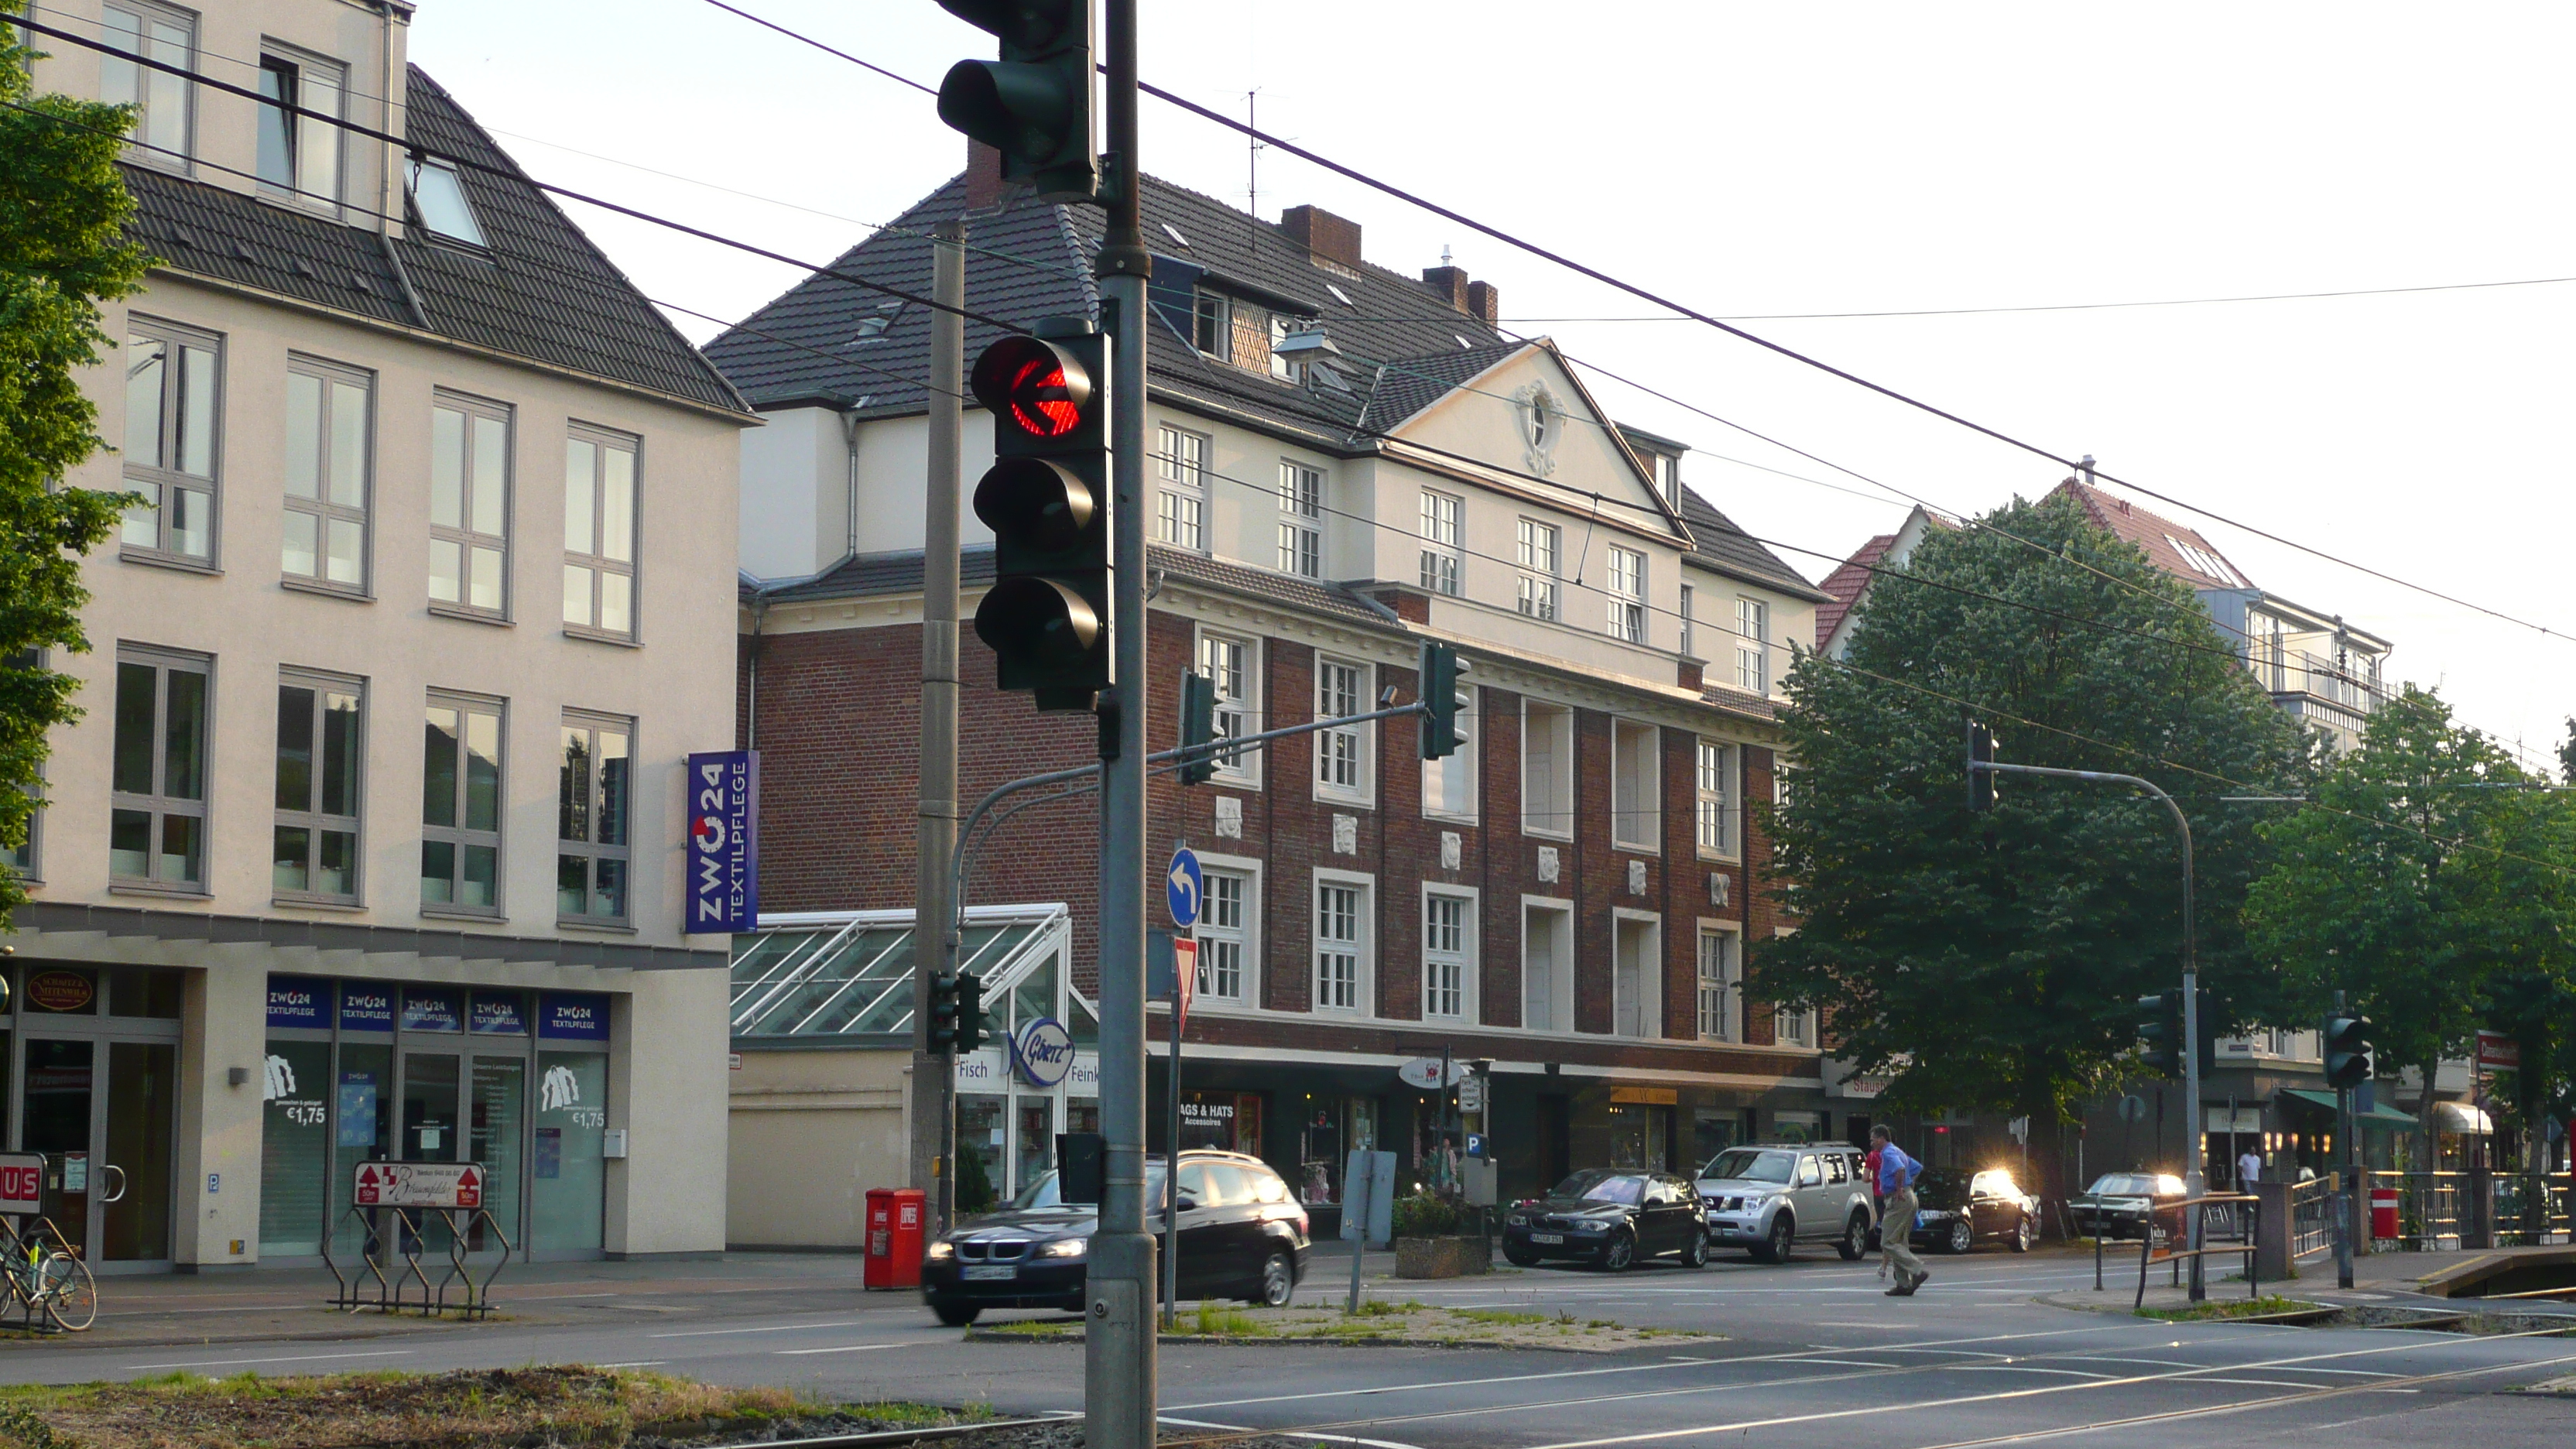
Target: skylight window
438 198
872 328
1341 296
2204 562
1463 343
1174 233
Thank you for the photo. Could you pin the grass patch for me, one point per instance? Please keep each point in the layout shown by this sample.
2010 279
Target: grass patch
2269 1303
1495 1315
1380 1308
1034 1328
476 1409
1217 1321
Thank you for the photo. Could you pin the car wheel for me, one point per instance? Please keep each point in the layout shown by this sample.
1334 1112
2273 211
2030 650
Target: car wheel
956 1315
1781 1242
1620 1254
1962 1236
1277 1284
1695 1252
2026 1236
1519 1259
1855 1239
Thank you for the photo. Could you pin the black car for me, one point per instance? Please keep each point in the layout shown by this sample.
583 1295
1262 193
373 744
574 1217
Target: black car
2118 1203
1242 1235
1959 1210
1612 1218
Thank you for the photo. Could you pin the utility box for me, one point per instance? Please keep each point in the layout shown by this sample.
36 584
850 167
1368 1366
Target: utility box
894 1237
1477 1176
2383 1212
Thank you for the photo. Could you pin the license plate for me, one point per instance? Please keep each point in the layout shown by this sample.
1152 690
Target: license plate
991 1272
1547 1237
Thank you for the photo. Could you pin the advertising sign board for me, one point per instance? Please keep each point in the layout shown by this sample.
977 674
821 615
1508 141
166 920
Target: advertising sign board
419 1185
724 841
2497 1050
1423 1074
22 1182
1043 1051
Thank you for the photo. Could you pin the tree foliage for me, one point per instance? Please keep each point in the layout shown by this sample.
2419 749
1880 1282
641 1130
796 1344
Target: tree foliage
1992 961
63 213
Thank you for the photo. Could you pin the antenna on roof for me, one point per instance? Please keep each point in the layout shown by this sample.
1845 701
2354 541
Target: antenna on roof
1444 254
1252 161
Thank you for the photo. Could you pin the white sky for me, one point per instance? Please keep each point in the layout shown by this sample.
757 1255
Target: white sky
1784 159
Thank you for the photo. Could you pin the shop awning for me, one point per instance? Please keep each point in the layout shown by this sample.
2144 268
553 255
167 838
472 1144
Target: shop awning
2462 1117
2379 1115
849 973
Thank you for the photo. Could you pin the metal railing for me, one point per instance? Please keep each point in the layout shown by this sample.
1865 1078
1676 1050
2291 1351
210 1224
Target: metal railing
392 1238
2239 1219
2312 1216
2439 1211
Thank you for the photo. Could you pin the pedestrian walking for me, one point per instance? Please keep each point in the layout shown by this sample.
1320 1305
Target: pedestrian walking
1895 1181
1877 1204
2249 1170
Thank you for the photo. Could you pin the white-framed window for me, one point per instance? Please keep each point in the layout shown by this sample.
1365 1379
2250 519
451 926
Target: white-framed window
330 449
469 506
461 805
1301 520
1627 595
1547 769
321 764
1539 552
1180 502
1636 794
1225 936
1794 1028
594 807
1721 984
1636 975
1687 641
1234 666
1448 955
1212 333
1752 630
1449 783
299 155
599 533
1442 532
163 103
1547 964
173 440
1341 942
1342 751
439 201
156 824
1719 763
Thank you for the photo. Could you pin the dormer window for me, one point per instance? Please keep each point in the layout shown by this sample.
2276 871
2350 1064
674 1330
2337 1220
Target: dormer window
438 200
297 153
872 328
1211 338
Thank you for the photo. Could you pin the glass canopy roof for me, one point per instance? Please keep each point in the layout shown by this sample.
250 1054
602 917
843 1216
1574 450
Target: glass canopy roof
849 973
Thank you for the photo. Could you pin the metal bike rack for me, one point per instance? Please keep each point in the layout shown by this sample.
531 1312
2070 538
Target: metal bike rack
19 1237
397 1244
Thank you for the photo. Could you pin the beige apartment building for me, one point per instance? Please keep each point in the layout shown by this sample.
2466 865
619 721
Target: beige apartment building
370 843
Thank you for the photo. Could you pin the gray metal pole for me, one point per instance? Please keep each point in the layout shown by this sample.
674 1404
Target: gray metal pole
934 897
1119 1383
1172 1168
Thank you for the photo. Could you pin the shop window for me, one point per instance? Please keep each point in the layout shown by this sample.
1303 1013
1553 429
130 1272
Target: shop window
362 1126
568 1168
1033 1141
295 1149
496 1114
1641 1137
980 1184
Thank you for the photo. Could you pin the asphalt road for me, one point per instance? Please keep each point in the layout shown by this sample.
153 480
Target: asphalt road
1814 1355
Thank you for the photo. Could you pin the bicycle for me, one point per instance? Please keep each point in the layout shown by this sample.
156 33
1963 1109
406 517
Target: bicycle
49 1277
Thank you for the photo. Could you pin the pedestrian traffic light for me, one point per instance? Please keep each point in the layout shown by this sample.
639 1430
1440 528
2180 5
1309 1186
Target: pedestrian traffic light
1198 728
972 1028
2161 1030
1046 498
1981 781
1439 669
943 1012
2349 1061
1034 104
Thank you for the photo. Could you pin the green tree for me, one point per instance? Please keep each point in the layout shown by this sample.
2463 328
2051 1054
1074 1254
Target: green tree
1992 961
63 213
2430 883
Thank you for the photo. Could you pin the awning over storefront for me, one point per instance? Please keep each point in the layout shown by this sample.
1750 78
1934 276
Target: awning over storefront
2462 1117
849 973
2380 1114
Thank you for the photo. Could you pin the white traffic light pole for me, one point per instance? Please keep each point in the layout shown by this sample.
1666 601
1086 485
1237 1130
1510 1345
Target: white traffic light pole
2191 1174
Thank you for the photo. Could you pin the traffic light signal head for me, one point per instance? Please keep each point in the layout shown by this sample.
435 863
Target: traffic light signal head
1046 498
1033 104
2160 1027
2349 1060
972 1028
1981 782
1198 728
1439 670
943 1012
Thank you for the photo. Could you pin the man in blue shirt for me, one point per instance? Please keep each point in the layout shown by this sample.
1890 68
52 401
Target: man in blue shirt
1896 1174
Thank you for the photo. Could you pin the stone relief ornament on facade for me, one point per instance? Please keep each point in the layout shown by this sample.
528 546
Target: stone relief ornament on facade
1229 817
1452 850
1547 870
1636 877
1346 835
1542 418
1717 888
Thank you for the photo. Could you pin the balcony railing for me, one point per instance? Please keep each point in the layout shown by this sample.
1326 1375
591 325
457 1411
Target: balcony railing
2300 672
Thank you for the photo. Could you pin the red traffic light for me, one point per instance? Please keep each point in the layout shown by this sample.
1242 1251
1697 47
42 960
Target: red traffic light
1039 387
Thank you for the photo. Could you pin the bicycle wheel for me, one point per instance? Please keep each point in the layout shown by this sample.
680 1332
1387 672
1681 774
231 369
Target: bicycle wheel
71 1294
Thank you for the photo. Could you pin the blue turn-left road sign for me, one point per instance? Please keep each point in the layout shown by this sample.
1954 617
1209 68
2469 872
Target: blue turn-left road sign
1184 888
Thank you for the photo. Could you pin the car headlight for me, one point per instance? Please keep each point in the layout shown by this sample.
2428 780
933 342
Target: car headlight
1064 1248
1520 1220
1592 1225
941 1252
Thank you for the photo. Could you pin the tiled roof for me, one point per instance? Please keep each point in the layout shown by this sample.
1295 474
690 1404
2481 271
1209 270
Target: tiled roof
2169 545
540 292
900 573
1846 584
1720 545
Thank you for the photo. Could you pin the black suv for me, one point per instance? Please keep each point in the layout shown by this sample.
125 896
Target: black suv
1609 1217
1242 1235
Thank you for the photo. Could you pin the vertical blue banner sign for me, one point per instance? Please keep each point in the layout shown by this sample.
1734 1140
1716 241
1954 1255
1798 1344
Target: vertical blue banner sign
724 841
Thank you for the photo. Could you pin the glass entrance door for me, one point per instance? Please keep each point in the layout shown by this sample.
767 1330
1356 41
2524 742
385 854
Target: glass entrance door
60 1081
102 1112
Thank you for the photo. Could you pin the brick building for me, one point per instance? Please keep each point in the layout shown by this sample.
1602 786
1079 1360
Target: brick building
1348 461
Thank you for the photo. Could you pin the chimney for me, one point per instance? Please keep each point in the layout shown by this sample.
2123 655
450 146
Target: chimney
1325 236
983 176
1484 301
1449 284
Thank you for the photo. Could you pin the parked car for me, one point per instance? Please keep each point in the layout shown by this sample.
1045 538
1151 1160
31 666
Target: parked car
2117 1203
1958 1210
1609 1217
1770 1197
1242 1235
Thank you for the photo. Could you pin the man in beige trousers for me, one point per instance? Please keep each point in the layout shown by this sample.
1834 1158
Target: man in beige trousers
1896 1174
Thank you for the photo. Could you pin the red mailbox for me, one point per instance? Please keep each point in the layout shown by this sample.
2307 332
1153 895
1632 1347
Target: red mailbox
894 1237
2383 1212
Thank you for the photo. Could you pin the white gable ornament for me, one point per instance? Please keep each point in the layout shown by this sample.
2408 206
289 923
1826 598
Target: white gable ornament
1452 850
1542 419
1229 817
1636 877
1346 835
1547 863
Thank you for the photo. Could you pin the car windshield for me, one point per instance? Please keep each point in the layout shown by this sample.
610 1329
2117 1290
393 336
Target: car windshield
1941 1187
2129 1184
1744 1164
1618 1187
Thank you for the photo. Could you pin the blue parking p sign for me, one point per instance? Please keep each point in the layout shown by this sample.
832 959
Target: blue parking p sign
1184 887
